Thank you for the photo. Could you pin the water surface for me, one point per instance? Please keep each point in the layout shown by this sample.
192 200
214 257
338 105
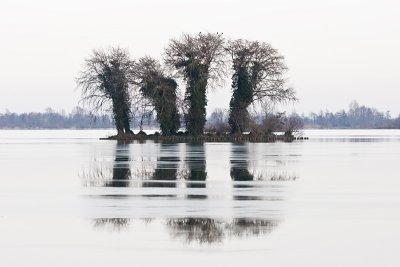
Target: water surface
67 198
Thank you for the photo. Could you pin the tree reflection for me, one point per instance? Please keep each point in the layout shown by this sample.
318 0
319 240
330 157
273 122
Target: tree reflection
239 163
196 164
208 230
166 172
201 230
252 226
166 169
121 170
115 224
239 169
99 172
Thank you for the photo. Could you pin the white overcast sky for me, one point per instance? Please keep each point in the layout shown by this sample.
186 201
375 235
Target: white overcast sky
337 51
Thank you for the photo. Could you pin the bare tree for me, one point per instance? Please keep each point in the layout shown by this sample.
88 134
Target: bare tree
105 81
218 122
258 71
200 60
293 123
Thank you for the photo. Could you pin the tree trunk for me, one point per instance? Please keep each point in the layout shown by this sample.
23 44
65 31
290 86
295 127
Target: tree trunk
121 114
196 96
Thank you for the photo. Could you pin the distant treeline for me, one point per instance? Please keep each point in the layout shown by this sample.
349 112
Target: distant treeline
356 117
79 118
50 119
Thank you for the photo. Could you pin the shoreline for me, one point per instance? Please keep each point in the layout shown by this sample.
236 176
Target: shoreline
205 138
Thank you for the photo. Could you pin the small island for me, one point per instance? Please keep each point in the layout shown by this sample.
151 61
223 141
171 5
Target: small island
207 137
111 81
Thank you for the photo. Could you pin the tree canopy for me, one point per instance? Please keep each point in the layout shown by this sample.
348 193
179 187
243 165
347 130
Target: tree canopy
111 80
105 81
200 60
160 89
258 71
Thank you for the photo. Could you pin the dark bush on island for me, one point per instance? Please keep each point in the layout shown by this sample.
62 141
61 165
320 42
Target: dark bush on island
180 133
141 133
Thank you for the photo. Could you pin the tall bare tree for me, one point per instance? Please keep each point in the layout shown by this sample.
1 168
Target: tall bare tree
160 89
105 81
200 59
258 75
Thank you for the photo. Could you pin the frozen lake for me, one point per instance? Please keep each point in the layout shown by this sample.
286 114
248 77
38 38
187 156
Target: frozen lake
69 199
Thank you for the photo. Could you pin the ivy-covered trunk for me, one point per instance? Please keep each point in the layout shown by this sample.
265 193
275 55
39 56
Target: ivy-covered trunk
161 91
167 111
240 101
197 99
121 113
